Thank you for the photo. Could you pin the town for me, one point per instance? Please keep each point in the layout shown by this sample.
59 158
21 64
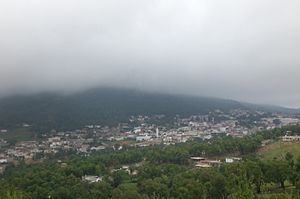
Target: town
141 131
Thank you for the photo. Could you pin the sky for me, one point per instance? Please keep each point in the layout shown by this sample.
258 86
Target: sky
244 50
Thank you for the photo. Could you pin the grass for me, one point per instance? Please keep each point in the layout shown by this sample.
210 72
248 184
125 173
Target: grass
279 149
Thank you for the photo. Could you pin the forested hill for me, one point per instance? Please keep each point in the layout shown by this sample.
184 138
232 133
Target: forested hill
103 106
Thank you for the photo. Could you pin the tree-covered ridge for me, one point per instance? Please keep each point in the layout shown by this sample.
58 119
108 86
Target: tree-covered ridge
100 106
162 172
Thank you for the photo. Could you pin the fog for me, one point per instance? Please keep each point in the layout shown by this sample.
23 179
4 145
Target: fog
243 50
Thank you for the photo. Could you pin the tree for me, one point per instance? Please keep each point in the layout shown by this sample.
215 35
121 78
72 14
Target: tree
244 191
127 194
118 177
154 188
101 190
278 171
280 196
290 159
13 194
254 174
297 165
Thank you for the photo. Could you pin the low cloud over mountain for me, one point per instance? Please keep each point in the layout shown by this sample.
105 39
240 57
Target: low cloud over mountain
244 50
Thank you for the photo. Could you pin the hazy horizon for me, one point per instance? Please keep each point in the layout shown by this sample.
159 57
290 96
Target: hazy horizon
240 50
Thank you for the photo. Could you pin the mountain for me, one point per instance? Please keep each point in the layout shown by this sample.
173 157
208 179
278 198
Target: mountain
100 106
103 106
271 108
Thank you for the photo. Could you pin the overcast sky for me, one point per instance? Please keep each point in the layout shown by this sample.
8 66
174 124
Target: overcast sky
245 50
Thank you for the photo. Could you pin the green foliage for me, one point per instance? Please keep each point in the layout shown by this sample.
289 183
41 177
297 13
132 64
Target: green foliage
13 194
278 171
104 106
163 172
280 196
243 191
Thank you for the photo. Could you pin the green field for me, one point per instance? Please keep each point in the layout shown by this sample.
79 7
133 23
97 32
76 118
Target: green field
278 150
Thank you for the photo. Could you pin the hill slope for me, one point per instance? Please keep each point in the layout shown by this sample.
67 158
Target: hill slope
104 106
279 149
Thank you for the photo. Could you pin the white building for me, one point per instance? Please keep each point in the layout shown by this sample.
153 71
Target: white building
157 133
91 179
98 148
229 160
3 161
288 138
143 138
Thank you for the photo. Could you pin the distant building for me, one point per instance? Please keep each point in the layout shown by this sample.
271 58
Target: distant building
98 148
3 161
203 165
202 162
157 133
26 125
289 138
142 138
198 158
212 162
229 160
91 179
54 139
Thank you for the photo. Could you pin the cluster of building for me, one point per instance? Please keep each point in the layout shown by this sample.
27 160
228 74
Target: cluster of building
130 170
290 138
142 131
202 162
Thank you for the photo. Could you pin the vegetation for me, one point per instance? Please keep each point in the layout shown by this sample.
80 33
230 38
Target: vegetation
99 106
162 172
279 149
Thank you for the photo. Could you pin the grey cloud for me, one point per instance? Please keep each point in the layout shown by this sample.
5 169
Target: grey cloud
244 50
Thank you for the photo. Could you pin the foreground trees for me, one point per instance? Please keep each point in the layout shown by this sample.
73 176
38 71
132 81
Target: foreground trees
162 172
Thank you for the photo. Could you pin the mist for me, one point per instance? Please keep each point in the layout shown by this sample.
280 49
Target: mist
242 50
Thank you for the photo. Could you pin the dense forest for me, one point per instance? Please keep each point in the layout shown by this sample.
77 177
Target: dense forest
162 172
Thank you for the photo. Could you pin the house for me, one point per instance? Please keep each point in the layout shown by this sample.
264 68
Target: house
84 148
54 139
98 148
203 165
198 158
143 138
229 160
91 179
202 162
3 161
212 162
126 169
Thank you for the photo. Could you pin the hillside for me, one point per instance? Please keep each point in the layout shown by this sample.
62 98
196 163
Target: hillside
279 149
271 108
104 106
